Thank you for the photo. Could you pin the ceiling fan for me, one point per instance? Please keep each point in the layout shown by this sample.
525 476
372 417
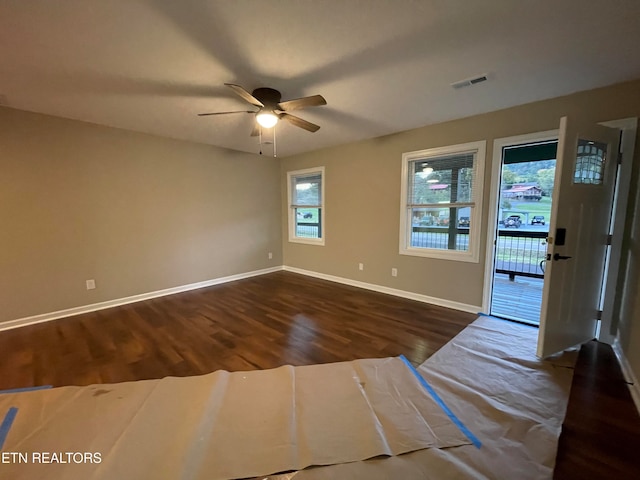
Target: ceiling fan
271 109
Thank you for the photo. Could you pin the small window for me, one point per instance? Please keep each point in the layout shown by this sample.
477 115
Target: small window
306 206
442 202
590 162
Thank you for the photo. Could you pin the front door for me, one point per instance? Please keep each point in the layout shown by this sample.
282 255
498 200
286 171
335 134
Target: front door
577 243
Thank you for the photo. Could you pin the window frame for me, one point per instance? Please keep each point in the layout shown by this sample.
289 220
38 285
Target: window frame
292 208
406 225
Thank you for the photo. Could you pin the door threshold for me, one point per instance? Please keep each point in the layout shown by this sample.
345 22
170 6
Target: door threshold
521 321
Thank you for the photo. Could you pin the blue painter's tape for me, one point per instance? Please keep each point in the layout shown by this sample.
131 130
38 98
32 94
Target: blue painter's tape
25 389
444 407
5 426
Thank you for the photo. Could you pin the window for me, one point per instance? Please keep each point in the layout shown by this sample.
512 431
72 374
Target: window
306 206
590 162
442 202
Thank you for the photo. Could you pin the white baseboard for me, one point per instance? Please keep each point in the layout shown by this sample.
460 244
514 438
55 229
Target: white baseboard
47 317
629 376
390 291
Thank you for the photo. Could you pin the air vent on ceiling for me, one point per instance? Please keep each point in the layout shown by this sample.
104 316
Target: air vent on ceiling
470 81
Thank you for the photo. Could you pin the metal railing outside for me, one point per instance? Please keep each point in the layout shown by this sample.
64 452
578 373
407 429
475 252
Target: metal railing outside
308 230
439 237
520 252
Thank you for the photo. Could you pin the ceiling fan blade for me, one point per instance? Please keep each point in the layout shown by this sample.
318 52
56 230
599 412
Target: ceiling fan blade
298 103
298 122
256 130
241 92
224 113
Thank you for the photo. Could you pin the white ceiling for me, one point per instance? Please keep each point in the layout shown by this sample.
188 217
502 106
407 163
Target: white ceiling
383 65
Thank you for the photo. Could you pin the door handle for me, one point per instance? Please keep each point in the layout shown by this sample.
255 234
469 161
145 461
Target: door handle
557 256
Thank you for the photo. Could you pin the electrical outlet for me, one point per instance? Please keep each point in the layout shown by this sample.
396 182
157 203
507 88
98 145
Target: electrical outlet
270 255
361 266
394 272
91 284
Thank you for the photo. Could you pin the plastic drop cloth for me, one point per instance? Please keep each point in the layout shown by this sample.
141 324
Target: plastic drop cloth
228 425
512 401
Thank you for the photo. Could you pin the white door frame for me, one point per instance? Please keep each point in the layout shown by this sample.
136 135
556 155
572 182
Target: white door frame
496 163
611 311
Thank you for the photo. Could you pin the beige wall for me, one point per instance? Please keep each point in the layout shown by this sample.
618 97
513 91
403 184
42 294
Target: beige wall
362 190
135 212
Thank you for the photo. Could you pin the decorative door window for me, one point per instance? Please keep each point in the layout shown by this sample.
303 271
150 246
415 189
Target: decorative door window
590 162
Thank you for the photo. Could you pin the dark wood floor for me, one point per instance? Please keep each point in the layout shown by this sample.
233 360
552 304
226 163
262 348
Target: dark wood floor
284 318
601 432
257 323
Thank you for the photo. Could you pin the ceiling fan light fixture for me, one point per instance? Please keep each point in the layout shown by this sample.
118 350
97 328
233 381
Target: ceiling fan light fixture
267 119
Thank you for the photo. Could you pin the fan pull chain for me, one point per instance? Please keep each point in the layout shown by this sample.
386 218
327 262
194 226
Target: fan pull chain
260 137
274 141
